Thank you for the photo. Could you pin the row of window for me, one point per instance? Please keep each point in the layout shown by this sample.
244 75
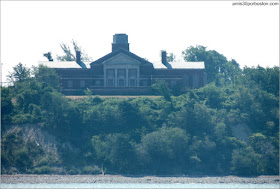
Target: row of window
110 83
110 73
121 82
70 84
132 82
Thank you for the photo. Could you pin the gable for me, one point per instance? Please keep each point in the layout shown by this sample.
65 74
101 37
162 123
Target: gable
124 52
121 58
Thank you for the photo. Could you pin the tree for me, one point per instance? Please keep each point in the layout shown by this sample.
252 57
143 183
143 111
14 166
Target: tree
231 71
170 57
6 105
130 119
266 78
246 162
114 152
47 76
19 74
48 55
69 56
100 151
214 61
121 153
68 53
213 96
165 150
268 153
161 88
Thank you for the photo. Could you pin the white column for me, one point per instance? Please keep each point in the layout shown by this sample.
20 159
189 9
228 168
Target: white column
116 77
126 83
105 76
138 76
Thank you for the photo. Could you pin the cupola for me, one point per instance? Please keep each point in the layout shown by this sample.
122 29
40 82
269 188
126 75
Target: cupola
120 41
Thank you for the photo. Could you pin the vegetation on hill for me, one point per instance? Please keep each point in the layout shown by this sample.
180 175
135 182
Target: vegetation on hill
230 126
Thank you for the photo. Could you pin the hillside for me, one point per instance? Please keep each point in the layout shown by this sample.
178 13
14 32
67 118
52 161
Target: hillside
230 126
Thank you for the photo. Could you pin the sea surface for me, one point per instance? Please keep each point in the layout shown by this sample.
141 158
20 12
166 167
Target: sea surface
139 186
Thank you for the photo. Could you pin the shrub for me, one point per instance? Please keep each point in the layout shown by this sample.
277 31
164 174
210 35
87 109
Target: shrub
43 170
91 170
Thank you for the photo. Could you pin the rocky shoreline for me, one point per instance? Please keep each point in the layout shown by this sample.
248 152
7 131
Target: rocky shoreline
53 179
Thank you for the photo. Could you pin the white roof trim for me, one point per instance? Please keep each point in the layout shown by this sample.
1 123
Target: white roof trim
62 64
180 65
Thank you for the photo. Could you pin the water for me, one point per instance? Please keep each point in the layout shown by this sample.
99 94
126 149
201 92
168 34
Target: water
139 186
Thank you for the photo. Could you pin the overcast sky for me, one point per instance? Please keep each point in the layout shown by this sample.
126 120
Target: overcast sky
248 34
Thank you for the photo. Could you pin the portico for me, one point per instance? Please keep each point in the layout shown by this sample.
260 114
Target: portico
121 71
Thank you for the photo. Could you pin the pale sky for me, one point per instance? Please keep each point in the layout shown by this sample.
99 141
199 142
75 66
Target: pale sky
248 34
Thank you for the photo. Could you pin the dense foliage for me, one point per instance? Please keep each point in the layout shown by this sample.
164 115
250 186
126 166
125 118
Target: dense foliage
230 126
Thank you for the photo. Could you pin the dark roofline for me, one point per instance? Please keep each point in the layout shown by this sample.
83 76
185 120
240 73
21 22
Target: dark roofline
114 53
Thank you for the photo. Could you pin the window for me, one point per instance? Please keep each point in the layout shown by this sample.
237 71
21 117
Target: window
82 83
190 81
173 83
110 73
132 82
121 82
201 81
121 73
97 83
110 82
69 84
132 73
145 83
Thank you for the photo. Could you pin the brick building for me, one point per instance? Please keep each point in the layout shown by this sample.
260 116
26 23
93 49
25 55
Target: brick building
122 72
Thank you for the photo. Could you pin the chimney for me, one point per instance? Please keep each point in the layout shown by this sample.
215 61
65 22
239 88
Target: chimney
163 57
78 57
120 41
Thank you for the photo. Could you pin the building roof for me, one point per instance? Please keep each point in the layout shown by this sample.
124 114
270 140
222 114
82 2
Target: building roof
62 64
157 64
121 50
179 65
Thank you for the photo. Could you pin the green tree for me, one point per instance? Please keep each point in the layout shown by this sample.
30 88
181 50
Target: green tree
161 88
130 119
100 151
121 153
19 74
266 78
61 116
216 64
268 153
246 162
47 76
48 55
6 105
170 57
69 56
114 153
165 151
231 72
26 93
22 160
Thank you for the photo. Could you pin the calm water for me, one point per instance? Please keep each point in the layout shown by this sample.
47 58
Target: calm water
139 186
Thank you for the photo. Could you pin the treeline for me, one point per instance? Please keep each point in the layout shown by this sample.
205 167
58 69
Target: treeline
197 132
